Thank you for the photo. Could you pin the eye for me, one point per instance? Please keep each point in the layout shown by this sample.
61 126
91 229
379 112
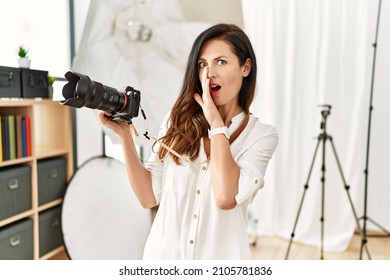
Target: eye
202 64
221 62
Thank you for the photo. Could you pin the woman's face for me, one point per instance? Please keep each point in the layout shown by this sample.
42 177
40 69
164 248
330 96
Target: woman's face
224 71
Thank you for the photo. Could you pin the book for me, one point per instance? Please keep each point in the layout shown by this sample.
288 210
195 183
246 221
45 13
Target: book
5 137
18 128
24 138
12 137
28 135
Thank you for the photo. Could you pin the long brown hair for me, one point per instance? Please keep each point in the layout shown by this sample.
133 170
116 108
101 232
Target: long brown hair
187 121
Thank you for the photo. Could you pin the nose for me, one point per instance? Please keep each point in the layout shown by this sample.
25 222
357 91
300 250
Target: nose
212 72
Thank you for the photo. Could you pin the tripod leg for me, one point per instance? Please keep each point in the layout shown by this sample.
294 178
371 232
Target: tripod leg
365 218
302 199
323 171
378 226
362 236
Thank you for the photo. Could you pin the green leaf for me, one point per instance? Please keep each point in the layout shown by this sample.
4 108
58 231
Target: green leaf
22 51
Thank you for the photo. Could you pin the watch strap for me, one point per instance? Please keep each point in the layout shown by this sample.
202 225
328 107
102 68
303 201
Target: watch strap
219 130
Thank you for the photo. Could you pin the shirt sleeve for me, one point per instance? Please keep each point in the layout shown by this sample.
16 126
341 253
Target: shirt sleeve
253 163
155 165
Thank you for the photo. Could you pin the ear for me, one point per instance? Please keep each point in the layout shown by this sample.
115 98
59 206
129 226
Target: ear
246 68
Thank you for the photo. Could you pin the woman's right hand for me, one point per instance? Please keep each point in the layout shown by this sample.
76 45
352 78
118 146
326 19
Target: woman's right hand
119 128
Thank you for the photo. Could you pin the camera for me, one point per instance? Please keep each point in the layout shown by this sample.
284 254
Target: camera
81 91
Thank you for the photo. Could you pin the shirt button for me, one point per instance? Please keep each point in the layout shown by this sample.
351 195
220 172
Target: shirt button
256 181
195 216
204 167
192 242
198 191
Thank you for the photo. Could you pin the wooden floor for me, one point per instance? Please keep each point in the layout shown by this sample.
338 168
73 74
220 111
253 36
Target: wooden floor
275 248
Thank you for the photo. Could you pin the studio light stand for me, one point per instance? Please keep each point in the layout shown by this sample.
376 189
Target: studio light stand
322 138
364 217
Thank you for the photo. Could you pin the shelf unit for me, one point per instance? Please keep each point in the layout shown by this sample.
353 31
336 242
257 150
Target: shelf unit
51 136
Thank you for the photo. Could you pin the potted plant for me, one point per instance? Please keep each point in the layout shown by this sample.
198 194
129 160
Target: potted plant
50 81
24 61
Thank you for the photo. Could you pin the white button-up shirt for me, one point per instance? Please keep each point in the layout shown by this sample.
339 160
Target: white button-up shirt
188 224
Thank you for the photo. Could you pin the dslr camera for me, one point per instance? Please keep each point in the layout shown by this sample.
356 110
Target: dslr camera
82 91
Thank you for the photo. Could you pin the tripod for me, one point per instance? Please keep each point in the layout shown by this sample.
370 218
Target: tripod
364 217
322 138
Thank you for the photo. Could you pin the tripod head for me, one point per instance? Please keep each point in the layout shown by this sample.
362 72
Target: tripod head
325 113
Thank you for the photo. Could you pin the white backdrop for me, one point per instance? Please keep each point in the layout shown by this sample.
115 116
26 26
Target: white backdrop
310 53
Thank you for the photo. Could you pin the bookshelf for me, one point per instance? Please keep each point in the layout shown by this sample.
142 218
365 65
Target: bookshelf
50 138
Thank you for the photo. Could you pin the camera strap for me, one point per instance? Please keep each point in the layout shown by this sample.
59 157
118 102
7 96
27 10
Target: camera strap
149 137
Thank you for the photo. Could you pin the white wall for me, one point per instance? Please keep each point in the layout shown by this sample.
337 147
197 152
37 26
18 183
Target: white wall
43 32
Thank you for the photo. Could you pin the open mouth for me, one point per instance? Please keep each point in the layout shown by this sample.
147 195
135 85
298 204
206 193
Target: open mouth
214 89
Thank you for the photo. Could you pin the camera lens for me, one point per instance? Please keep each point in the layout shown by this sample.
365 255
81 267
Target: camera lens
82 91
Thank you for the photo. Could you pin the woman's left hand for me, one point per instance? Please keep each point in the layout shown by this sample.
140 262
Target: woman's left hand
206 102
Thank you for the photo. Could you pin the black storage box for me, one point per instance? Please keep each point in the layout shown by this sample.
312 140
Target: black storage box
16 241
15 190
50 233
10 85
51 179
34 83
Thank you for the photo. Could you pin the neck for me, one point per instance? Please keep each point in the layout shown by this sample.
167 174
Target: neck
228 113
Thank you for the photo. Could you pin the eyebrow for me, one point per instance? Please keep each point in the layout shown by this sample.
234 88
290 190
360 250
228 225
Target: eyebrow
218 57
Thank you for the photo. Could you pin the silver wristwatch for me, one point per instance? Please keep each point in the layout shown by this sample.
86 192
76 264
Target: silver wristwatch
219 130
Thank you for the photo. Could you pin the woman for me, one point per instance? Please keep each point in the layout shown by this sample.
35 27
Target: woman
217 158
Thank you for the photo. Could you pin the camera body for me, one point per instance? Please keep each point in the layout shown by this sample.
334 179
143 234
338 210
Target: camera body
81 91
131 107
